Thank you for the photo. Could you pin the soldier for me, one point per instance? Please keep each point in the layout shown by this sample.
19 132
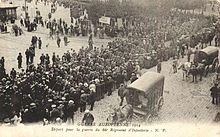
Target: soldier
19 59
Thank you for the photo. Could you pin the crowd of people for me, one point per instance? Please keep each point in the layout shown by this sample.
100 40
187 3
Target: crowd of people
59 88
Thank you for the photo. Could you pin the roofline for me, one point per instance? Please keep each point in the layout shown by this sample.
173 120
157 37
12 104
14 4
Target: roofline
9 7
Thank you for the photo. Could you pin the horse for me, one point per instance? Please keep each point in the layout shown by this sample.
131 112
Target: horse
185 68
201 69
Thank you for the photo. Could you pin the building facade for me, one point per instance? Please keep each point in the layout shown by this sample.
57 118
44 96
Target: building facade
7 12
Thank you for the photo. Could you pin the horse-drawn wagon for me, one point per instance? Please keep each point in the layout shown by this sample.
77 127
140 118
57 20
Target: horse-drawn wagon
208 55
145 95
144 99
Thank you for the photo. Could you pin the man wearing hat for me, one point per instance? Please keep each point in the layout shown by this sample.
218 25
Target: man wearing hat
130 69
98 89
13 73
39 43
83 101
19 59
77 96
25 115
46 116
214 93
109 85
159 66
121 94
194 72
196 55
48 104
88 118
86 88
91 99
34 113
137 68
55 113
70 112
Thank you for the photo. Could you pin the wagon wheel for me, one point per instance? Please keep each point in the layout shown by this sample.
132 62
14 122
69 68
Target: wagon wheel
160 103
135 116
158 106
149 119
214 65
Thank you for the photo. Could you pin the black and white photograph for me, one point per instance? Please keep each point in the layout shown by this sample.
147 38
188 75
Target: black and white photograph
119 67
